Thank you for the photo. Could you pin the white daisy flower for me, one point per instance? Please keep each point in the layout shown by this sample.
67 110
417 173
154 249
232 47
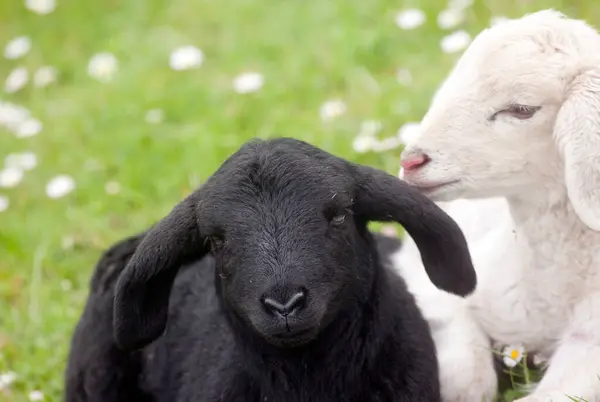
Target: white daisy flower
248 82
512 355
7 378
185 58
370 128
408 132
10 177
112 187
23 161
363 143
17 48
44 76
496 20
332 109
459 4
103 66
16 80
404 76
67 242
29 128
4 203
41 6
36 396
12 116
410 18
386 144
154 116
60 186
450 18
455 42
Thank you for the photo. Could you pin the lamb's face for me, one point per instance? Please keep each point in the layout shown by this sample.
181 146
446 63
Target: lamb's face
489 129
287 249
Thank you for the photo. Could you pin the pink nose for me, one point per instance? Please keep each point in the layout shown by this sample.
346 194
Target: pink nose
415 162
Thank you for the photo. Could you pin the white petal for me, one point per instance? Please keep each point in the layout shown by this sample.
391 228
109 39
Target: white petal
459 4
248 82
67 242
112 187
363 143
36 396
332 109
29 128
10 177
16 80
103 66
17 48
60 186
4 203
404 76
408 132
41 6
185 58
498 20
154 116
7 378
410 18
455 42
370 128
450 18
44 76
509 362
23 161
12 116
386 144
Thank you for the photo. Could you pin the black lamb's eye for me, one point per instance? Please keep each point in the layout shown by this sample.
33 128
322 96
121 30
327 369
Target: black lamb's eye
338 219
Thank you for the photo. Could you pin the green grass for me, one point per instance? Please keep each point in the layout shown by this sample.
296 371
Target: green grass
308 51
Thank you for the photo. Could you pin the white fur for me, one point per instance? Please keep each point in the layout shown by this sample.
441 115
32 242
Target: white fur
527 195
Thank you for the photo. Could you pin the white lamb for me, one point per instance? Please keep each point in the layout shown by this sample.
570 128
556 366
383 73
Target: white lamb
510 147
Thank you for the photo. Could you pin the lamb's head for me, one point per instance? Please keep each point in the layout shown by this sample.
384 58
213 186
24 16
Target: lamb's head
519 113
287 225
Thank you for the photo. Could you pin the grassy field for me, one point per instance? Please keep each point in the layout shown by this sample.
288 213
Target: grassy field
130 167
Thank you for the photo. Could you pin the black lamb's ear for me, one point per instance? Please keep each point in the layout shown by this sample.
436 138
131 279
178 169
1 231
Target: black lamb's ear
142 292
441 242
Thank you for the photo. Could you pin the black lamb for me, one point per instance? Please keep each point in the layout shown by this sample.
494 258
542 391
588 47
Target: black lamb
265 285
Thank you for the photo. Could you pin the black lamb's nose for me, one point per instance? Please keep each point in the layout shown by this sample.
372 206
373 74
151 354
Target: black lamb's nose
289 307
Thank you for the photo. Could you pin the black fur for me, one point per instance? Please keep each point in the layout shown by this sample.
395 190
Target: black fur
278 218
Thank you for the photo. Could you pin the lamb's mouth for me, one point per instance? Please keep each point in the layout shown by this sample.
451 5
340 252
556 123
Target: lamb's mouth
430 188
295 338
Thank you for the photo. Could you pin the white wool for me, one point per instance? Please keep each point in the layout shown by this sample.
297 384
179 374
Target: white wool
526 192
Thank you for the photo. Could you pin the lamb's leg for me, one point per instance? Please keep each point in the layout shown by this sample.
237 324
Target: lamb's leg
465 359
97 370
574 368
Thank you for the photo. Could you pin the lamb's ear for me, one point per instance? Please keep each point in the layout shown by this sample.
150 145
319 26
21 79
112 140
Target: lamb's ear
577 133
442 244
142 292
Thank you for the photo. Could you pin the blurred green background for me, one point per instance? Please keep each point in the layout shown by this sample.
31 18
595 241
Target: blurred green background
105 125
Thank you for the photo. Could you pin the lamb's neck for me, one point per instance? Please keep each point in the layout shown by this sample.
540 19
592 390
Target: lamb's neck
546 224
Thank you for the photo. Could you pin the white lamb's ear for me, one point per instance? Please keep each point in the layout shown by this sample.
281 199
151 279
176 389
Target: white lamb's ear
577 133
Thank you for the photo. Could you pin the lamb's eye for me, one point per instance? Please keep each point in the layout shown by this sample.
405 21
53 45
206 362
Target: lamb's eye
338 219
521 112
